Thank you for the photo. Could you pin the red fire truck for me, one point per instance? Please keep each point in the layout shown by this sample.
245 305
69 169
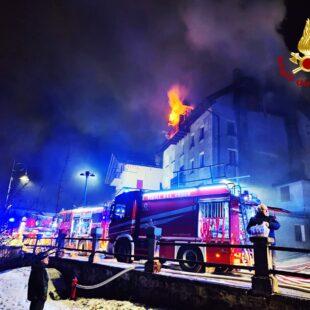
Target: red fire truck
210 214
79 222
35 226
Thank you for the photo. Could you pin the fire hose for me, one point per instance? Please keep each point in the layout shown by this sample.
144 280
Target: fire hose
91 287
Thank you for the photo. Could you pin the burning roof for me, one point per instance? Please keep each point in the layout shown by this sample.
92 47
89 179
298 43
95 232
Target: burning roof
176 95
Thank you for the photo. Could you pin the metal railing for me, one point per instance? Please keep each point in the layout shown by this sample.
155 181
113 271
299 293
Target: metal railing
264 282
215 172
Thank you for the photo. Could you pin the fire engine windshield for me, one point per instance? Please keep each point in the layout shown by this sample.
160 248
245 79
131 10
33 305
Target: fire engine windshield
119 211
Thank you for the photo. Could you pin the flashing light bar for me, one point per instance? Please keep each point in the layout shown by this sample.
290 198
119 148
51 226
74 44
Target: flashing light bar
221 189
83 209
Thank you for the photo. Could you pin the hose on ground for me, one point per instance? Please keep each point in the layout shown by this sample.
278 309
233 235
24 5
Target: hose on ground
91 287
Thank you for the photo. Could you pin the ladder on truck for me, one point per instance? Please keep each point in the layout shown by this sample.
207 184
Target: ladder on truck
248 255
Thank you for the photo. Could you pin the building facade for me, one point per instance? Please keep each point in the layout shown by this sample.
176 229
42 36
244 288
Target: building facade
224 140
231 137
128 175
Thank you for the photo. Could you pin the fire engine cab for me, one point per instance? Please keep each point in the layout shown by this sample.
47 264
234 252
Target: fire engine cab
208 214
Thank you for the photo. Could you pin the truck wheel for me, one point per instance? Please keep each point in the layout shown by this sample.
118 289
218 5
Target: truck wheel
123 247
192 254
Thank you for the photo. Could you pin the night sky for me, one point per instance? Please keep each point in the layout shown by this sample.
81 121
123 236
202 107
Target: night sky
82 79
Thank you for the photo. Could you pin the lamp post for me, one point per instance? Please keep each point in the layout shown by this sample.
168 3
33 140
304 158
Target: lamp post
86 174
17 167
19 170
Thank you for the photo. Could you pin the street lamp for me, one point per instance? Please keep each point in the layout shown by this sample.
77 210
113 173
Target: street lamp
86 174
24 178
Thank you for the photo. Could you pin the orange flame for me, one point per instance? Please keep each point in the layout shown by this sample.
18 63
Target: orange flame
176 95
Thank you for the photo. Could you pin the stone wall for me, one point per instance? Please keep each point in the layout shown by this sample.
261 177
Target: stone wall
166 291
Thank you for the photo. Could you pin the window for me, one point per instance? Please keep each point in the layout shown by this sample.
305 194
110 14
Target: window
76 225
181 178
182 160
285 193
201 133
192 143
182 147
219 211
66 217
201 159
300 233
232 157
139 184
192 165
231 129
84 226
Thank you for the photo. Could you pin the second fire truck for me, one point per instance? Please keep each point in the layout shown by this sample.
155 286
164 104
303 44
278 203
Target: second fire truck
79 222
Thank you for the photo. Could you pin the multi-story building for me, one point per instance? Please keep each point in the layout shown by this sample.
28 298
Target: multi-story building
223 138
233 136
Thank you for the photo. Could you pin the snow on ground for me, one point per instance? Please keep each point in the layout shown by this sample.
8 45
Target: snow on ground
13 296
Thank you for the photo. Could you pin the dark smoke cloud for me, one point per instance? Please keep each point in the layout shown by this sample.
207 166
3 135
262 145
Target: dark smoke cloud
82 79
242 35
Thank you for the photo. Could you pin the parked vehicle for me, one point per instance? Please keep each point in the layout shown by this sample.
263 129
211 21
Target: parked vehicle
208 214
35 229
79 222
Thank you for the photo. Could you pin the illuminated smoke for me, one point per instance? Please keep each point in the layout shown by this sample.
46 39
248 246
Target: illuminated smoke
94 77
